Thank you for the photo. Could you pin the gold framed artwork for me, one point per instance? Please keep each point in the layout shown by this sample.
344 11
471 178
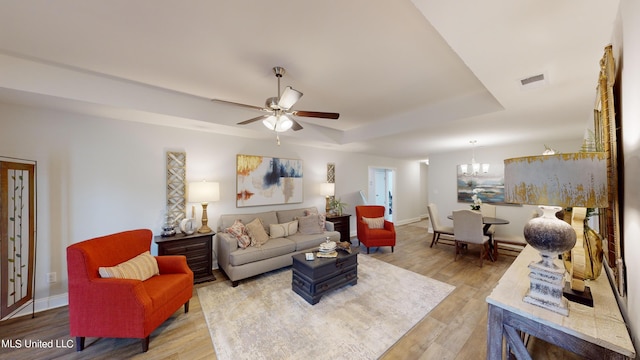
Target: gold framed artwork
606 133
262 180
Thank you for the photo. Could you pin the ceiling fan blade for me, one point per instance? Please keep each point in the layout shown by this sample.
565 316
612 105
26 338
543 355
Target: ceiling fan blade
253 119
316 114
243 105
296 125
289 97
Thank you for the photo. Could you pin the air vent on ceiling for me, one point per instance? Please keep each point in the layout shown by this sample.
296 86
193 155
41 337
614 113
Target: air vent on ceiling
532 79
536 80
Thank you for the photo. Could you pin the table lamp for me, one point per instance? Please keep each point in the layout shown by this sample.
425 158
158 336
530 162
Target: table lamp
327 190
204 192
554 182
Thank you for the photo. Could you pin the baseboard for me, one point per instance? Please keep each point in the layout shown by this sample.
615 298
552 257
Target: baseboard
408 221
43 304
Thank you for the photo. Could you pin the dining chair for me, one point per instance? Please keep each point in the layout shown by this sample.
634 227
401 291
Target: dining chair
489 210
467 229
438 228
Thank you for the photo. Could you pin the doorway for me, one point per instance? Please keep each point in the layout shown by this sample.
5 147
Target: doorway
381 189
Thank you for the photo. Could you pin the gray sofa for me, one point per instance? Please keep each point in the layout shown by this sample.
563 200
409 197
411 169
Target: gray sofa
276 253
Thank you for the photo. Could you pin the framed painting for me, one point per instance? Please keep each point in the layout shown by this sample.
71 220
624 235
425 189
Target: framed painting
489 186
607 131
262 180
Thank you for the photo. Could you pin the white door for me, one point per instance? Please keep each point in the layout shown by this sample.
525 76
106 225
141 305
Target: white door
381 189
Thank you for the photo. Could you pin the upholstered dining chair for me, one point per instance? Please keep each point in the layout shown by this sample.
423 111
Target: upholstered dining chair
438 228
467 228
373 230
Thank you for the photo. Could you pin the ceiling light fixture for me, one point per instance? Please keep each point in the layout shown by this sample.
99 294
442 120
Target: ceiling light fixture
474 168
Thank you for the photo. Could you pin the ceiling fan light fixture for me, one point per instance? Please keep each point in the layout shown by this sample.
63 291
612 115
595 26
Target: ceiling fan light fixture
289 97
283 123
270 122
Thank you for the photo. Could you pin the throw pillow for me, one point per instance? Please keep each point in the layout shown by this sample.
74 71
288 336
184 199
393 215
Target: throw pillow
321 217
374 223
256 232
310 224
237 230
282 230
140 267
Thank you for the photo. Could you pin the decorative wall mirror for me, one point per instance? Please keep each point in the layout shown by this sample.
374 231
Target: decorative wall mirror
607 131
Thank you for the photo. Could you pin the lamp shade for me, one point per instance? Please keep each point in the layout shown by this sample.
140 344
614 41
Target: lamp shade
327 189
566 180
204 191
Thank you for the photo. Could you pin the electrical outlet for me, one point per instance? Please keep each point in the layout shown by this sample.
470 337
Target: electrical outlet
51 277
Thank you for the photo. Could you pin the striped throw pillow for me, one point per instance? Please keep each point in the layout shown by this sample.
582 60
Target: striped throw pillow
140 267
374 223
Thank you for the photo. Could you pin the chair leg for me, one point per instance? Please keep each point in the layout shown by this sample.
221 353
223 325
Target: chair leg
392 249
456 256
436 235
80 343
145 344
186 307
481 254
367 250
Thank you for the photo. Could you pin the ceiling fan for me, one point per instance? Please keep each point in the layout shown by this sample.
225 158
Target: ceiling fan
279 115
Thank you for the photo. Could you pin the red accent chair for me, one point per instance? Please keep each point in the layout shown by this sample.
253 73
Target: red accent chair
122 308
374 237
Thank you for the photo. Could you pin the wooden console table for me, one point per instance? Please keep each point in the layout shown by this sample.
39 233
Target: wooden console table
595 333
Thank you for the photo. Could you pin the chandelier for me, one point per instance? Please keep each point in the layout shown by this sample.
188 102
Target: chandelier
474 168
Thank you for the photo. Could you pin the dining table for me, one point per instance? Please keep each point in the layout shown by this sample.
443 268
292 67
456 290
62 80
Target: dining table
487 221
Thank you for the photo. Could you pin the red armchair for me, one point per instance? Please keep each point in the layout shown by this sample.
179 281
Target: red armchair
122 308
385 236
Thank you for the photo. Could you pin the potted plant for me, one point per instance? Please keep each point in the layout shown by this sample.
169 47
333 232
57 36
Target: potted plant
477 202
337 206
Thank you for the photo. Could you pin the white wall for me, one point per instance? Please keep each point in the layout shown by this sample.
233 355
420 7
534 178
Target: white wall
629 46
99 176
443 187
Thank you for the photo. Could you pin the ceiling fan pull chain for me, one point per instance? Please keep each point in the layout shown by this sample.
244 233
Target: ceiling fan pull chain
277 139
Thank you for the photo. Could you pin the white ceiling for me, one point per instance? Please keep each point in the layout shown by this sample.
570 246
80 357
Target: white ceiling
409 78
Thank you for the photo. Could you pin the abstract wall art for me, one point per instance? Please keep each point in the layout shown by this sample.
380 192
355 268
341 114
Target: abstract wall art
489 186
262 180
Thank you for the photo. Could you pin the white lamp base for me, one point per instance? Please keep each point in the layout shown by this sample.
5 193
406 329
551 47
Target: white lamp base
546 286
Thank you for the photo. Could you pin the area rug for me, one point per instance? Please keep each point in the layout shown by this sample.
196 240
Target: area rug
263 318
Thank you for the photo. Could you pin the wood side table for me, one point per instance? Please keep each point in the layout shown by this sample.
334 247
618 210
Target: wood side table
341 224
597 332
196 247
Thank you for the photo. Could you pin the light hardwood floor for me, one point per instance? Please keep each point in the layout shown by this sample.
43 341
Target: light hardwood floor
455 329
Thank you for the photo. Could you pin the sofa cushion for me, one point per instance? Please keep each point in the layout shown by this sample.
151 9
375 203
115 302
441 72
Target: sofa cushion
305 242
283 230
310 224
256 232
374 223
157 287
268 217
140 267
285 216
237 230
273 248
314 211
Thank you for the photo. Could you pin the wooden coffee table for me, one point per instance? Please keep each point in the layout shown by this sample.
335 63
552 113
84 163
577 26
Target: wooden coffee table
313 278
